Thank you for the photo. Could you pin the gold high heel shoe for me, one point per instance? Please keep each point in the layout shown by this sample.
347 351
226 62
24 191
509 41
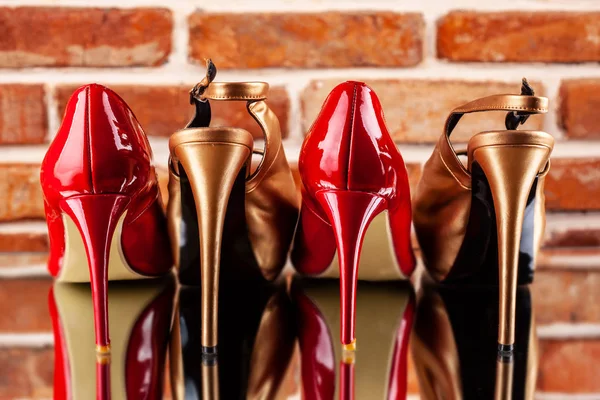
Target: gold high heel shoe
491 210
242 217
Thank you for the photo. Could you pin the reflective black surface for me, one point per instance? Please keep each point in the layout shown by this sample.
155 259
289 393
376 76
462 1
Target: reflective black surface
453 344
281 340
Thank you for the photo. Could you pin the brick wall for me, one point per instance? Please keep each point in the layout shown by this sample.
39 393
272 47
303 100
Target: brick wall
423 58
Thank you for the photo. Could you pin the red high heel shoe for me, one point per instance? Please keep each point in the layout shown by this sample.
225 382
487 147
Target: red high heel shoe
101 196
352 175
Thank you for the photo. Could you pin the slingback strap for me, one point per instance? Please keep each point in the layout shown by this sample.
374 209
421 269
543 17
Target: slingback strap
519 108
255 94
241 91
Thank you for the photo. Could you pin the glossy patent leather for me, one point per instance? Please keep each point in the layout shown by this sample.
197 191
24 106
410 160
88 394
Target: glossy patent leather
102 200
351 172
379 369
141 318
349 148
101 148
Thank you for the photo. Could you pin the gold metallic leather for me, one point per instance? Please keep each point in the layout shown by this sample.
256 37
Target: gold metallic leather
442 201
272 203
246 91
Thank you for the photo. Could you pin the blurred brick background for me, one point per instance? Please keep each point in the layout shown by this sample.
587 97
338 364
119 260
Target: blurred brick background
423 58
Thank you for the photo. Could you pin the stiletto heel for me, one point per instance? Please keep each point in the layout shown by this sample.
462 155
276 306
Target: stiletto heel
212 162
350 214
98 166
486 212
355 199
510 163
245 218
96 218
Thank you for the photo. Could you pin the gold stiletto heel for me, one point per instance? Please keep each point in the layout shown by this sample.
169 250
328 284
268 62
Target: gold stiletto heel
510 162
244 217
212 160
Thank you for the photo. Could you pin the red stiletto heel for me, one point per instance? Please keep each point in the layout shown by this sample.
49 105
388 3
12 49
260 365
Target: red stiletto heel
102 199
356 199
96 218
350 214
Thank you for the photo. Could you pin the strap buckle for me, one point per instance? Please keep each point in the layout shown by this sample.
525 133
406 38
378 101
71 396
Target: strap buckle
515 118
199 89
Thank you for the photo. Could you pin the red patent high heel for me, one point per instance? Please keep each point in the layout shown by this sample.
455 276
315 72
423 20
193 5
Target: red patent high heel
355 191
102 199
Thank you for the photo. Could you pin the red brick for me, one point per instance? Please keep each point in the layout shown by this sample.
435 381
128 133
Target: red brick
569 366
23 242
26 373
24 305
311 40
11 260
23 118
572 237
579 300
569 258
573 184
579 105
163 110
20 192
563 37
84 37
416 110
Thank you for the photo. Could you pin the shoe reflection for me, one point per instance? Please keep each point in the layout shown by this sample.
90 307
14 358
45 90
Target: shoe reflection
256 343
140 317
454 346
378 368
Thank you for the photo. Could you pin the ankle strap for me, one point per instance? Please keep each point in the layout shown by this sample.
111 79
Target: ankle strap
254 93
236 91
520 108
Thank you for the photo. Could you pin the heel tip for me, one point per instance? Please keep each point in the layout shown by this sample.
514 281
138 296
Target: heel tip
103 349
350 346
